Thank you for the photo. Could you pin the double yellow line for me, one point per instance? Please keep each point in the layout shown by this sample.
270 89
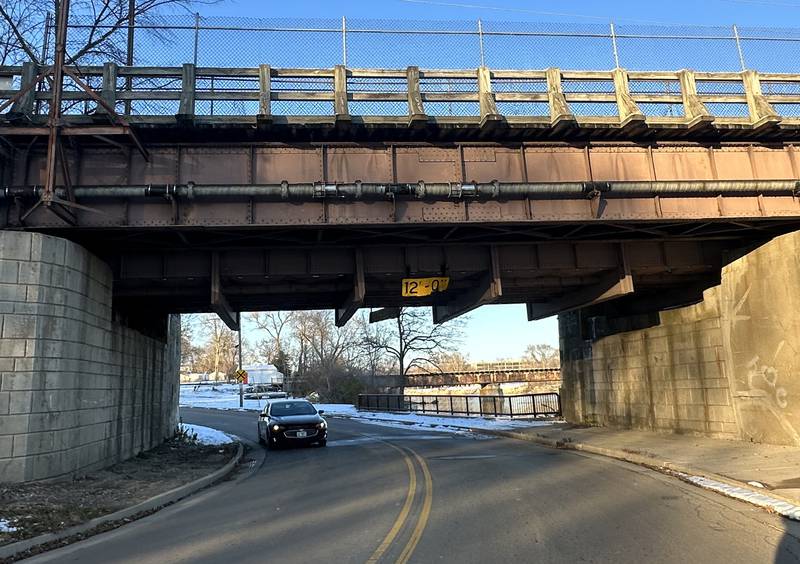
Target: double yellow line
425 512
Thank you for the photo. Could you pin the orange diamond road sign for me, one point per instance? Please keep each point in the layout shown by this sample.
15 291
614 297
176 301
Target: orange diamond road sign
241 376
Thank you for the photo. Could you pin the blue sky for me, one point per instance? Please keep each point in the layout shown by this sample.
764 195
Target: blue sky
707 12
503 331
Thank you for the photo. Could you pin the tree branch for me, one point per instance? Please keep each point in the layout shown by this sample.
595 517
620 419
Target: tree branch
23 44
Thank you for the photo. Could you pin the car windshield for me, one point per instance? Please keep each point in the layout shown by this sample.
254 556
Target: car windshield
292 408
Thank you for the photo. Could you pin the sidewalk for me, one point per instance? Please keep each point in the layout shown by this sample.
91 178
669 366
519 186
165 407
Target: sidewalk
776 467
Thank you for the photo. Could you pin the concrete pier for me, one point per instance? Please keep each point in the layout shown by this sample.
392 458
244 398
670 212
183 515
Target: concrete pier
80 389
727 367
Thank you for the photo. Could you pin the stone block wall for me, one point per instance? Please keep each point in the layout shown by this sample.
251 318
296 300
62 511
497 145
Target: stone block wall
78 389
727 367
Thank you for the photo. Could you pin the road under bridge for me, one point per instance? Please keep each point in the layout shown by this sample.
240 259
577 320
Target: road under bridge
124 202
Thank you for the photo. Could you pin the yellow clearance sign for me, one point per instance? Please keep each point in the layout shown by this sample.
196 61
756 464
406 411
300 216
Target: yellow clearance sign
421 287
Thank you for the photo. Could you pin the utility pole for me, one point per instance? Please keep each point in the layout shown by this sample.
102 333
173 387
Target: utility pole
241 383
129 53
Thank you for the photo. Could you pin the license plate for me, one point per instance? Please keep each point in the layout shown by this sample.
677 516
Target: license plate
301 434
421 287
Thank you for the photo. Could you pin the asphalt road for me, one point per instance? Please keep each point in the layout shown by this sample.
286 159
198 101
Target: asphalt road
380 494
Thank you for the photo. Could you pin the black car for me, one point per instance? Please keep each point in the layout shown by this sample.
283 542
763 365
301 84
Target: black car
291 422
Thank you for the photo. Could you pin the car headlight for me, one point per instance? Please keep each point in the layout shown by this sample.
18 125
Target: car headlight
322 425
276 427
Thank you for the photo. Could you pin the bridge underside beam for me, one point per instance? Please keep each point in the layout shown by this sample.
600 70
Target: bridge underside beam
611 286
355 299
383 314
271 278
219 303
487 290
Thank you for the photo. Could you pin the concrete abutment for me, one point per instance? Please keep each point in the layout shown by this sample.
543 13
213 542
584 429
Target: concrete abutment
727 367
79 388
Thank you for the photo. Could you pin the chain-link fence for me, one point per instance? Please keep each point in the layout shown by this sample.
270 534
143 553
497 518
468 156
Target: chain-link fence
367 43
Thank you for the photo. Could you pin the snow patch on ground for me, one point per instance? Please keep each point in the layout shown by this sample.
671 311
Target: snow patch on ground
756 498
207 435
5 527
226 396
222 396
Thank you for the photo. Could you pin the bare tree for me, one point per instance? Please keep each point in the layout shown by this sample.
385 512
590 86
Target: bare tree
22 30
277 325
277 348
374 359
219 354
101 36
327 344
190 352
415 340
451 361
326 352
542 355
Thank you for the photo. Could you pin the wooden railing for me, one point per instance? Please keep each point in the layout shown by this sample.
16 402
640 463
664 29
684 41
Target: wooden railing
542 98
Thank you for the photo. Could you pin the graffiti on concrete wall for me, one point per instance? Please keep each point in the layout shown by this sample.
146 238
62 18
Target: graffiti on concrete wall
761 334
764 378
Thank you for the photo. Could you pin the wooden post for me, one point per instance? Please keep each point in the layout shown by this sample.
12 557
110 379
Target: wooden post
340 93
416 110
264 93
761 111
629 112
488 105
559 108
186 108
694 110
109 91
24 106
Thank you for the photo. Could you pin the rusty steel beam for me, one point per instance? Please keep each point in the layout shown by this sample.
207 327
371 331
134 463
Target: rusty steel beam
111 112
317 278
694 167
257 185
355 299
632 214
488 290
54 119
384 313
66 131
219 303
611 286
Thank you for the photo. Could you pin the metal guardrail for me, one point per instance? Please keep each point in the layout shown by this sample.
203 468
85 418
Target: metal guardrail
527 405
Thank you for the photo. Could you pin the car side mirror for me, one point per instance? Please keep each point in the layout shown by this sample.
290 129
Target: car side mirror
321 411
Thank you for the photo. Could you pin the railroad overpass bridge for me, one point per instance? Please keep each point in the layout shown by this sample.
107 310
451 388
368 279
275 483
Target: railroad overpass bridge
124 201
260 211
544 376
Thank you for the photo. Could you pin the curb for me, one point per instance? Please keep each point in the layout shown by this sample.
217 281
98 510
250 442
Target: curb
680 471
147 505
